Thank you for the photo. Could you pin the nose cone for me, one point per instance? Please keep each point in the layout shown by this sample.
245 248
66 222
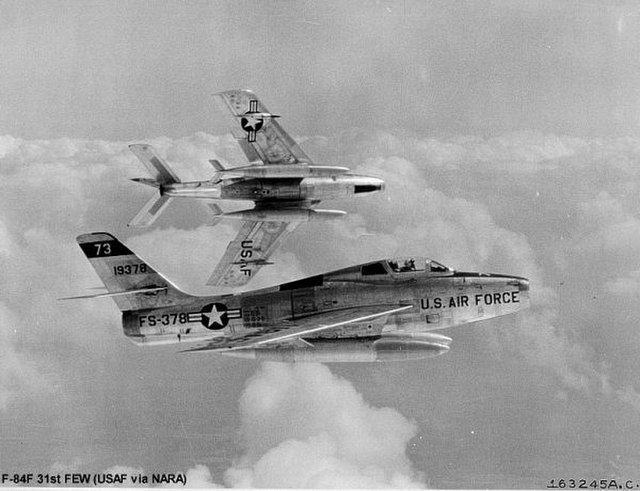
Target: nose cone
379 183
523 283
520 281
368 185
523 289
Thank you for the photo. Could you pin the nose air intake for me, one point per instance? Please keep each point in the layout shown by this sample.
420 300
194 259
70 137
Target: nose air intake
368 188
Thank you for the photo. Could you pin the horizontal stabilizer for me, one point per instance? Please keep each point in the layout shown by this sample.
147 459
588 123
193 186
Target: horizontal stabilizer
148 182
117 294
150 212
155 164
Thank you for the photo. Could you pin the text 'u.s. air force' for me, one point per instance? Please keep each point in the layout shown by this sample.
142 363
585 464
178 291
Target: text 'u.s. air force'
495 298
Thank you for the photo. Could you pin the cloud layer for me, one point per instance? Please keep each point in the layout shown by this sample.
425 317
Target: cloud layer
561 211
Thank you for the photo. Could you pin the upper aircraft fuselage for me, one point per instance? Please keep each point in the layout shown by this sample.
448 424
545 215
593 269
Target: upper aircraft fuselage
439 298
383 310
278 174
277 189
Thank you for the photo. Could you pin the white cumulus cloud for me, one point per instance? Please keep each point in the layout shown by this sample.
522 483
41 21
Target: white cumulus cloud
303 426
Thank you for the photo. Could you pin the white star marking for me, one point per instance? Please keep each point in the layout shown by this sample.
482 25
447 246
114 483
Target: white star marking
252 123
213 316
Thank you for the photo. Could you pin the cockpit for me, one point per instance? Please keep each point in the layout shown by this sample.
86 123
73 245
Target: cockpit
413 264
402 265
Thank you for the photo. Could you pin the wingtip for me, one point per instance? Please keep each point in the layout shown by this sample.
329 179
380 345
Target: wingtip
94 237
139 146
231 91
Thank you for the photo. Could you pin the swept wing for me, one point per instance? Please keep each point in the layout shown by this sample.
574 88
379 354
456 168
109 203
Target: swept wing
259 134
249 251
295 330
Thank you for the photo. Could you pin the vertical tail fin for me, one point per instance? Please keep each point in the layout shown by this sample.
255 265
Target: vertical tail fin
131 282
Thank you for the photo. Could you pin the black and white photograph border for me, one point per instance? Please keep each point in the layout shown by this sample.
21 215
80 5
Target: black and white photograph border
507 134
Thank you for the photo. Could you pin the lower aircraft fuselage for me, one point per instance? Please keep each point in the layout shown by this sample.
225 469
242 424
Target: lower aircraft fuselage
437 301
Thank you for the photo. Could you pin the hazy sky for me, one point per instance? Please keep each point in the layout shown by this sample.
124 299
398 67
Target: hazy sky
508 134
139 69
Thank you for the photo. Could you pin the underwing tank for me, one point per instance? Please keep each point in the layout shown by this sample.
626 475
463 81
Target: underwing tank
284 214
388 347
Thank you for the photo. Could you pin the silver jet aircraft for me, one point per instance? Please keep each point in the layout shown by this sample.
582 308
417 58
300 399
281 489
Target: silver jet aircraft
280 179
378 311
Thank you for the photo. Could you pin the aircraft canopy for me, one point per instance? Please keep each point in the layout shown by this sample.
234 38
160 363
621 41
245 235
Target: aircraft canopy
415 264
